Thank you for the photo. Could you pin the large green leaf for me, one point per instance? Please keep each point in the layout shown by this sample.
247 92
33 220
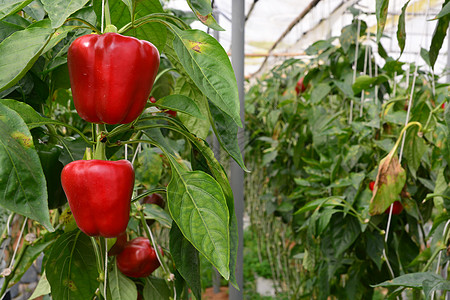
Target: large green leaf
208 65
11 7
20 50
412 280
22 182
226 132
381 13
213 167
199 208
26 112
121 15
59 10
445 11
320 92
401 29
186 260
155 212
153 32
199 127
71 267
438 37
156 288
122 288
182 104
414 149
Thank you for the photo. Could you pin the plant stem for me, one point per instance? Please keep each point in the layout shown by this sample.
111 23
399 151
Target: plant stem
97 255
149 192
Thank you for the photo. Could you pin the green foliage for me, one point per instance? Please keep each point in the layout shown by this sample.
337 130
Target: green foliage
313 155
40 132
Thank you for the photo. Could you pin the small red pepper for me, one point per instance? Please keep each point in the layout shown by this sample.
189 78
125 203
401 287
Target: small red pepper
138 258
99 194
397 208
111 76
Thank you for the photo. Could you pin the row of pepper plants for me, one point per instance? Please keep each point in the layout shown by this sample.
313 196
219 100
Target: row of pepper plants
104 111
325 149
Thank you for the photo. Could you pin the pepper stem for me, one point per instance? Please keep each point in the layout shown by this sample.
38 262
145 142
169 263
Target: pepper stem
108 26
100 148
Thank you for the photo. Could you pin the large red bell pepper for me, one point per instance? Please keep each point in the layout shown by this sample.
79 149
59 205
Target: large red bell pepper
138 258
99 194
111 76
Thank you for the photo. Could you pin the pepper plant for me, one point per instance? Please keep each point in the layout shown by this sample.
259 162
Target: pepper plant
315 151
43 127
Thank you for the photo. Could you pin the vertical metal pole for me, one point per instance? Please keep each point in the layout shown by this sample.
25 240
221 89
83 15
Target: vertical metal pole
237 175
448 56
216 149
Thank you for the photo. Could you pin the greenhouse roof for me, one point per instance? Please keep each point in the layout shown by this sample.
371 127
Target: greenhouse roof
292 25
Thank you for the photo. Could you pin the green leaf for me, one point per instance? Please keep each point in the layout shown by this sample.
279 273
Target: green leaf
155 288
11 7
199 127
444 12
35 10
430 286
198 206
148 167
208 65
20 50
153 32
157 213
438 37
121 15
59 10
186 260
22 182
202 6
42 289
203 11
374 247
26 112
365 82
182 104
71 267
414 149
412 280
425 56
122 288
318 47
401 29
345 88
216 170
340 236
381 13
129 4
226 132
319 92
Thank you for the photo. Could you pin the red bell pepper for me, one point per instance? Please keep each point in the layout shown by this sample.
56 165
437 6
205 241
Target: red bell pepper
99 194
111 76
138 258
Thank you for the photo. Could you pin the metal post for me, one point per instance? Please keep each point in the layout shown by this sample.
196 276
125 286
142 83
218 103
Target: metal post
216 149
237 174
448 56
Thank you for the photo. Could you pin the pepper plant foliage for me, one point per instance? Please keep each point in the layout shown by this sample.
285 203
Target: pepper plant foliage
40 132
319 148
